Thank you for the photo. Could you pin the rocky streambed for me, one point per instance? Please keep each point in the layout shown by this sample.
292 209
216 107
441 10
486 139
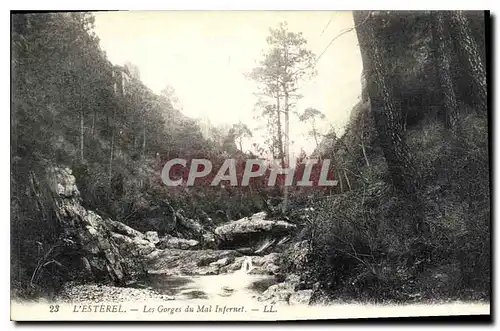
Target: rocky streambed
177 274
238 280
237 259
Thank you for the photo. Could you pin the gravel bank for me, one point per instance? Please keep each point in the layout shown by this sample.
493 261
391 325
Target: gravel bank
105 293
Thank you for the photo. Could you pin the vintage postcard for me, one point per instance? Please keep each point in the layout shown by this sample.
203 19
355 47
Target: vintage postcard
249 165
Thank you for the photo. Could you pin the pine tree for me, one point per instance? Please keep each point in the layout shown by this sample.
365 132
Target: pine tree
388 117
442 46
471 52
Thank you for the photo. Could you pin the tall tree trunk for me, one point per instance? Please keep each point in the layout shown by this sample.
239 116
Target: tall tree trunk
280 142
477 73
287 150
112 146
347 180
111 155
442 46
473 57
362 137
340 181
315 134
143 137
388 117
81 135
93 125
287 129
364 153
278 123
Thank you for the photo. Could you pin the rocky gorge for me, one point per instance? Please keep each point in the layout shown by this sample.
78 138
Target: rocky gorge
110 260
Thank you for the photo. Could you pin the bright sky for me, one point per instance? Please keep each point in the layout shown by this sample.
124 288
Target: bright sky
203 55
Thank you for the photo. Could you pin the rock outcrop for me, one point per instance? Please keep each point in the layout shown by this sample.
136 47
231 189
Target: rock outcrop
152 236
94 248
177 243
301 297
253 232
281 292
261 265
189 262
289 292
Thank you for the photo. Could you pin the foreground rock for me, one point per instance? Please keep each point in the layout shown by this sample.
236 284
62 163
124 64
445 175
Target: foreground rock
189 262
132 246
255 224
260 265
177 243
254 232
281 292
301 297
287 292
152 236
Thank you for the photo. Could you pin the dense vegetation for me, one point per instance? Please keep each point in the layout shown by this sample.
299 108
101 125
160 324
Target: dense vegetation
414 219
410 217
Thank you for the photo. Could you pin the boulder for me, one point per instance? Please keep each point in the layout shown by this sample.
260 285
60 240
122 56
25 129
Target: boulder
189 262
64 183
252 225
125 230
281 292
176 243
255 232
134 246
152 236
260 216
208 239
302 297
261 265
233 266
223 262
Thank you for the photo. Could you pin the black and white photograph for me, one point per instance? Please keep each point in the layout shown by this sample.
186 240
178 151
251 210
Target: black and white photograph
244 165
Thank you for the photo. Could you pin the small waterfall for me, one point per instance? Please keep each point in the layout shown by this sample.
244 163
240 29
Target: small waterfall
246 266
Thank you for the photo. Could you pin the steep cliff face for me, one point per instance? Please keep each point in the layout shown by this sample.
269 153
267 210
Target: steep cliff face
93 248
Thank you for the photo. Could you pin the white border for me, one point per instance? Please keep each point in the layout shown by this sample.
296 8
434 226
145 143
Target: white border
253 5
188 5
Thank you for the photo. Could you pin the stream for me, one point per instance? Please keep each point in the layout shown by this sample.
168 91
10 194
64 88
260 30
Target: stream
244 287
238 285
241 290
